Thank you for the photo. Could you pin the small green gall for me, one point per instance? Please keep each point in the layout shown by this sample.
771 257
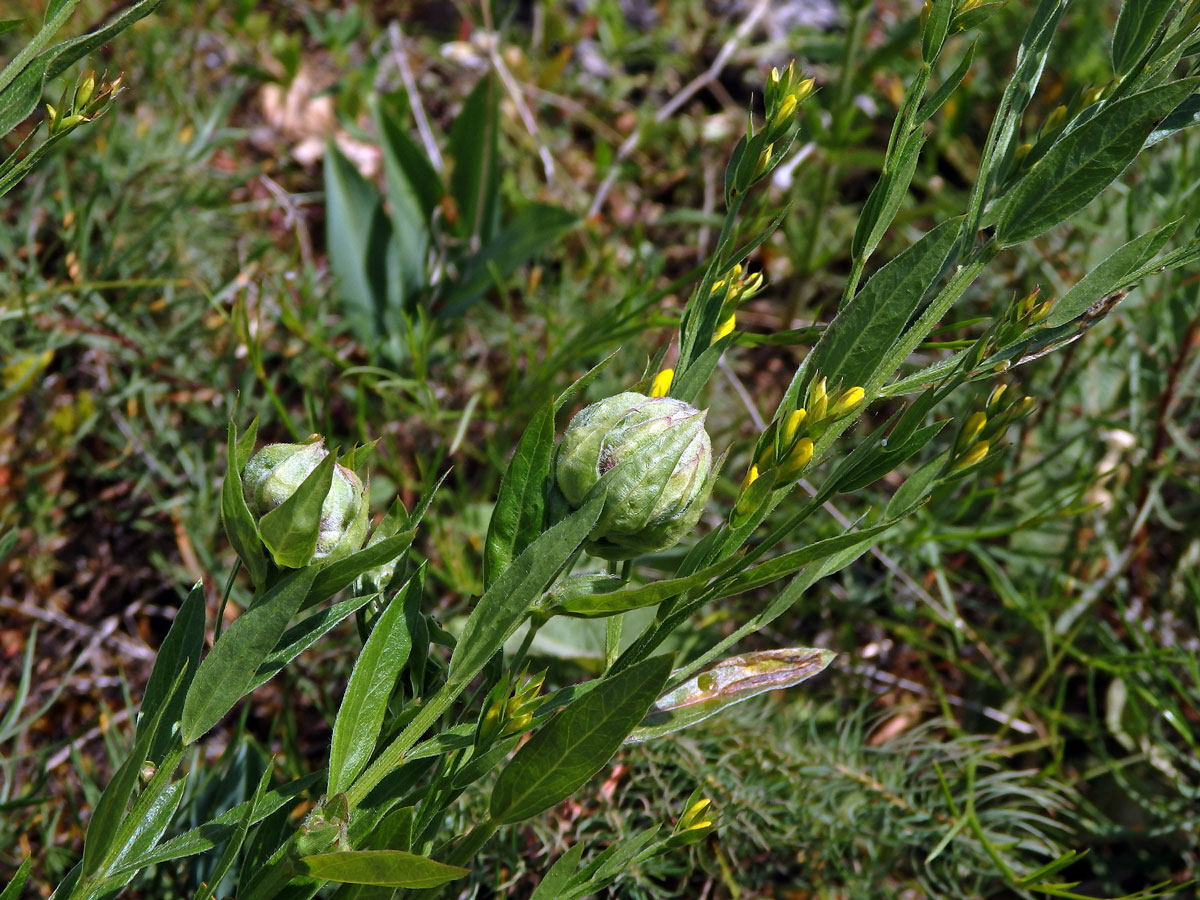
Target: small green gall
275 472
653 457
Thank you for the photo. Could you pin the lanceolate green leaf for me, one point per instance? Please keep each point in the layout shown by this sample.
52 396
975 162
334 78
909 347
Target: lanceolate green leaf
388 868
554 881
340 574
239 523
17 884
228 672
504 605
180 652
726 684
1084 162
304 634
1137 24
887 195
1110 275
360 718
871 323
474 146
573 746
406 201
520 505
609 603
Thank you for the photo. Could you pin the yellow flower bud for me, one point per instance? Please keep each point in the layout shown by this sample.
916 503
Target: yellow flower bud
818 402
1055 119
662 383
764 160
791 426
970 431
751 477
972 457
993 400
725 328
849 400
800 457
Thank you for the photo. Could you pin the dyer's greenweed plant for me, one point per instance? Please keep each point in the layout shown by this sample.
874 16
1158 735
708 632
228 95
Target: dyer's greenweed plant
630 476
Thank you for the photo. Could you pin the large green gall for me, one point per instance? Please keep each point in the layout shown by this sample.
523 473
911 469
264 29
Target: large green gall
653 458
274 474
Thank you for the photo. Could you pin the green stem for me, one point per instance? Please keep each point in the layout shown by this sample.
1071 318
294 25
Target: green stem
519 659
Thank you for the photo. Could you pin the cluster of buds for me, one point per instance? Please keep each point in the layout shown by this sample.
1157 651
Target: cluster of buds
653 458
276 473
759 152
784 93
1021 316
697 822
507 713
786 447
82 103
982 428
739 286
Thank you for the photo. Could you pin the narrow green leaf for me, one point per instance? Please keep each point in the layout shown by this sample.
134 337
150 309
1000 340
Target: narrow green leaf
916 487
304 634
180 652
338 575
474 145
290 530
233 846
21 97
8 727
407 201
504 605
555 881
726 684
13 890
887 459
69 52
1185 115
389 868
357 233
520 506
608 603
870 324
228 672
573 746
360 718
947 88
56 16
151 814
1084 162
239 523
1110 275
1137 25
933 31
533 229
886 196
7 25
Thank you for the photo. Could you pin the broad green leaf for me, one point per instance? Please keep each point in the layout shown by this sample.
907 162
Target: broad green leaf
520 506
239 523
406 200
934 28
360 718
229 671
291 529
555 881
1084 162
504 605
390 868
340 574
532 230
573 746
886 196
13 890
357 234
727 683
1137 24
473 144
1110 275
870 324
180 652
